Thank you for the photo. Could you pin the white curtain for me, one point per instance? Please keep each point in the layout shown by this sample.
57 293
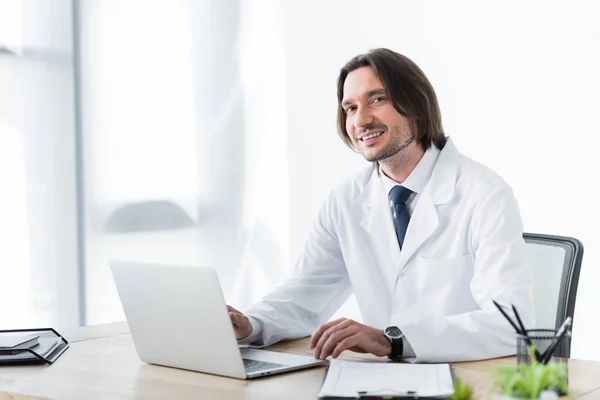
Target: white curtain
16 305
185 142
38 241
265 219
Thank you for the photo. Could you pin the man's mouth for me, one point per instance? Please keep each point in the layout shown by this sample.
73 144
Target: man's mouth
371 136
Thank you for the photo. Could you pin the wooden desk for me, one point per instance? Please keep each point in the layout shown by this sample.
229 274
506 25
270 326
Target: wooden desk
102 364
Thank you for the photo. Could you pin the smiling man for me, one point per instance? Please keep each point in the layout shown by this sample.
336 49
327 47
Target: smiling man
425 237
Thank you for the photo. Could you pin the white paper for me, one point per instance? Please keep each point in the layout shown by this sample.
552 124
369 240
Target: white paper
9 342
350 378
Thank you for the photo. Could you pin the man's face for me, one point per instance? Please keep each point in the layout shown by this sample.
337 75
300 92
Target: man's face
376 129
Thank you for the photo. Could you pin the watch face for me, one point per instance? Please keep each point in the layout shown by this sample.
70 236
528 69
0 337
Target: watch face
393 332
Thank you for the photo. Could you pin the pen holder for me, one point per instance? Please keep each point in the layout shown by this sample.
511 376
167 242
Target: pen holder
545 340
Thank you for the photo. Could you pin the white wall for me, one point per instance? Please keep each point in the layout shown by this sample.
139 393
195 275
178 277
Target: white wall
518 86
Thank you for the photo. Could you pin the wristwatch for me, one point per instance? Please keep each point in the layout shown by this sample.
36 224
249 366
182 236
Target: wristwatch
395 335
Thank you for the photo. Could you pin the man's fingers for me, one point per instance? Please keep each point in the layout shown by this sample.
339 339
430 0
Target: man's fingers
231 309
317 335
340 324
233 317
348 343
325 336
334 339
319 332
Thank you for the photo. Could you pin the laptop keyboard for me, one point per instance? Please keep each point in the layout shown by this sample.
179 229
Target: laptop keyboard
255 365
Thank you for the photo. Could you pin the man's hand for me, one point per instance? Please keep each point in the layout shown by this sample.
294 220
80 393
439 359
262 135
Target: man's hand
241 323
345 334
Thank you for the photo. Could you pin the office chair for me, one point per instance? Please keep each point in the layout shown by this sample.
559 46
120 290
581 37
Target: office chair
556 263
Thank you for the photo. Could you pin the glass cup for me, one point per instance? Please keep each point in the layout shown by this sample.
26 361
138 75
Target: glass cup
544 341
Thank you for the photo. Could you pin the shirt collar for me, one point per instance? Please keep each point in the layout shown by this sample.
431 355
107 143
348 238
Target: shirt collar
418 178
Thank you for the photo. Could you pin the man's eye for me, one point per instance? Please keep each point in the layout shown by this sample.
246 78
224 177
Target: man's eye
378 99
350 109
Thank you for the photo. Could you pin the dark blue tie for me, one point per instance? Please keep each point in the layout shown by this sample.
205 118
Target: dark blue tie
398 197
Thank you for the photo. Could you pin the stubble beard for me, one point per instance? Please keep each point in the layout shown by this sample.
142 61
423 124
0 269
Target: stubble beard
394 147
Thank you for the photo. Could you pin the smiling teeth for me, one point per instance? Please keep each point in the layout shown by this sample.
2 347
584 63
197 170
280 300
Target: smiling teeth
372 136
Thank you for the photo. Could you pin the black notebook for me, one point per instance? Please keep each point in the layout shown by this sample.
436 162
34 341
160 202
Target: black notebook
47 346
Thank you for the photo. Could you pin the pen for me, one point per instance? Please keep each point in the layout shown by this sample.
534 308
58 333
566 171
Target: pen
508 318
523 330
517 329
538 356
557 339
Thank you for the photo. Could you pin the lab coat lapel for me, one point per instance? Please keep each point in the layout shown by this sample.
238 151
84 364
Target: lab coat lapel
377 221
423 223
439 190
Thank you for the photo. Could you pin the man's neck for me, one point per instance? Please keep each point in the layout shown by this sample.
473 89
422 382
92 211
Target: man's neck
401 165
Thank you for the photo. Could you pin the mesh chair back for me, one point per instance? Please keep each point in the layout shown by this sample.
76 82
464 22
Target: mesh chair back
555 262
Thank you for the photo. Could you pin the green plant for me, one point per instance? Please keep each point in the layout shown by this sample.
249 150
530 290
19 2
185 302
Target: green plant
462 391
527 381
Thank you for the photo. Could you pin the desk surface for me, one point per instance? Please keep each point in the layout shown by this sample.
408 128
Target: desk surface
102 364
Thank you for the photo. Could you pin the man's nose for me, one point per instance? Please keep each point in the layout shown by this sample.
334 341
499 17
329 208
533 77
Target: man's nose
363 117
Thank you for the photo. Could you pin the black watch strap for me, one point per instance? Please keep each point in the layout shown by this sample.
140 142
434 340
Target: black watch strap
397 349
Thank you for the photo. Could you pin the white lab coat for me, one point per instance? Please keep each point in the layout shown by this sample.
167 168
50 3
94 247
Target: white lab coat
463 248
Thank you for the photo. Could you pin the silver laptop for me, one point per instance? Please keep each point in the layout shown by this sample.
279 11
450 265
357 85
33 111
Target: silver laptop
178 318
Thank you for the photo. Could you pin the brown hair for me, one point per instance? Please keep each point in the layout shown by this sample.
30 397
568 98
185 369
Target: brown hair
409 90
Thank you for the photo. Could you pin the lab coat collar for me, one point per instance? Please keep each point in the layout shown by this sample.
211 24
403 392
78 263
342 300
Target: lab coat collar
419 177
440 187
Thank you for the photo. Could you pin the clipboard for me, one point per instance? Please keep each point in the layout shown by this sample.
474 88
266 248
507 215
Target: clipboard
30 355
385 395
